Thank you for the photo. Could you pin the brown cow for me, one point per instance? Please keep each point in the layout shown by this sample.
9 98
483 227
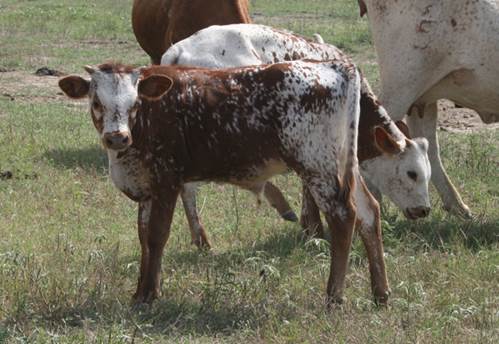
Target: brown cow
301 115
158 24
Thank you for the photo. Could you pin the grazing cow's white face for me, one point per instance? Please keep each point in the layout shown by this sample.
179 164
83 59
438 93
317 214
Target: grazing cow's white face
403 177
113 95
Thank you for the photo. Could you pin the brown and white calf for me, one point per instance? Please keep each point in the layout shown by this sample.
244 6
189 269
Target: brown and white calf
165 126
402 172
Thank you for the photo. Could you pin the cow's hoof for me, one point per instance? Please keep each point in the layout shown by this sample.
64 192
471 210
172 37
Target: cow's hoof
290 216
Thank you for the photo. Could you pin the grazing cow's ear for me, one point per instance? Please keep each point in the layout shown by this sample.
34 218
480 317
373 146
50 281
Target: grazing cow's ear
363 8
74 86
90 70
403 128
154 87
385 142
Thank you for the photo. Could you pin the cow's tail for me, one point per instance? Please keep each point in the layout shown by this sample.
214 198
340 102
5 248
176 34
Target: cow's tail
353 108
352 113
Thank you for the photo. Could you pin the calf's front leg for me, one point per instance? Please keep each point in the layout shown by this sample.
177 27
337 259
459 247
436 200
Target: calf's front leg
154 221
334 200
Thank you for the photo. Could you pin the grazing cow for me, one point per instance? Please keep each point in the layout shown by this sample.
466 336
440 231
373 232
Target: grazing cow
428 50
165 126
403 174
157 24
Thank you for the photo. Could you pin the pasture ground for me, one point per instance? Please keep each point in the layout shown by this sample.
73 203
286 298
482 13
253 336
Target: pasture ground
68 245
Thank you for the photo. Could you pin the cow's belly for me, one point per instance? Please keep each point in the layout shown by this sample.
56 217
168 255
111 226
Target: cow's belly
129 177
469 89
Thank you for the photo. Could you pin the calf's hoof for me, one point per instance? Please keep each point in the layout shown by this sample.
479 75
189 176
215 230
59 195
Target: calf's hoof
333 302
201 244
140 298
381 298
290 216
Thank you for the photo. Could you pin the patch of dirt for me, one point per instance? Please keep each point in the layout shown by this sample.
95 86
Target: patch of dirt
454 119
28 87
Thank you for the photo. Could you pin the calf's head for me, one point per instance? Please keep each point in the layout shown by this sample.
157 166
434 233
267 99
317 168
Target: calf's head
402 170
115 93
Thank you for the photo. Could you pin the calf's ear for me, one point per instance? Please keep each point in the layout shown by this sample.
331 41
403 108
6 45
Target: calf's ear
363 7
154 87
404 129
74 86
385 142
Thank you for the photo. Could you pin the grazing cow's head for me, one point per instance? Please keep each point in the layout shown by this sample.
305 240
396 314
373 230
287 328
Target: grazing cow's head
114 92
402 171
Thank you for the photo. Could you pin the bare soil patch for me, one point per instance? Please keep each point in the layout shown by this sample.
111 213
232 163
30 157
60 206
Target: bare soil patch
29 87
453 119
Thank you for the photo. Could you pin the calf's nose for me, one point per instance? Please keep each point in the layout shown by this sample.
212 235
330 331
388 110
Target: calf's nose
418 212
117 140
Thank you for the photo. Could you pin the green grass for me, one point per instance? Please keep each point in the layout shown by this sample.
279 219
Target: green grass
69 250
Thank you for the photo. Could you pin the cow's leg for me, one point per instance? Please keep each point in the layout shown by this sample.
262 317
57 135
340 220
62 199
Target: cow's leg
278 202
155 217
310 218
334 199
198 234
369 227
426 125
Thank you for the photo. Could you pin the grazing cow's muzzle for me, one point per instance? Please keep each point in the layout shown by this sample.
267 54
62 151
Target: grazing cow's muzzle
117 140
416 213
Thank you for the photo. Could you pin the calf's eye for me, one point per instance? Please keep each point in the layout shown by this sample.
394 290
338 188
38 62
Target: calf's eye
96 105
413 175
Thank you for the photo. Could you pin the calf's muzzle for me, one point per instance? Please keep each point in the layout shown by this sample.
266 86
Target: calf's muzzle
417 212
117 140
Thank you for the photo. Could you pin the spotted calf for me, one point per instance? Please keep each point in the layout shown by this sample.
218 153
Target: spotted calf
389 159
165 126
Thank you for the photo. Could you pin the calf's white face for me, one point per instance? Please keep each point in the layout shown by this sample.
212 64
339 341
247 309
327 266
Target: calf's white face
114 100
403 177
114 103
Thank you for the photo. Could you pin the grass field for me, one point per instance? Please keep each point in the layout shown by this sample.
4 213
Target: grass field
69 251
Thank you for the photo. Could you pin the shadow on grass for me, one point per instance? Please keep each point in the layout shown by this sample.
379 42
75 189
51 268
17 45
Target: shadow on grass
88 158
442 233
225 302
171 317
280 244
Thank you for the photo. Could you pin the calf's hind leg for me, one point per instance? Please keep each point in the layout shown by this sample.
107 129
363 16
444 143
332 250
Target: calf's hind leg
369 227
334 200
310 218
198 234
278 202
